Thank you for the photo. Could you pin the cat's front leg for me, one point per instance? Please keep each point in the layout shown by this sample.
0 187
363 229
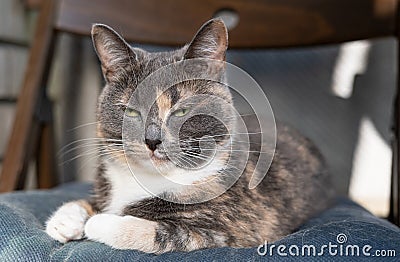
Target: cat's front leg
68 222
122 232
129 232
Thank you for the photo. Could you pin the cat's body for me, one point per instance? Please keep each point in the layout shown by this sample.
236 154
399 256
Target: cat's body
125 215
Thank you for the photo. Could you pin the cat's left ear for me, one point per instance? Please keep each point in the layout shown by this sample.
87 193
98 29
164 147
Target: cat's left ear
114 52
211 41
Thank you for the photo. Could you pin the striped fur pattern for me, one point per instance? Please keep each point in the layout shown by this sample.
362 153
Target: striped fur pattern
125 216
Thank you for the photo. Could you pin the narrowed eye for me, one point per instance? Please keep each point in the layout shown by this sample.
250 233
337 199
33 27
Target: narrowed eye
131 112
181 112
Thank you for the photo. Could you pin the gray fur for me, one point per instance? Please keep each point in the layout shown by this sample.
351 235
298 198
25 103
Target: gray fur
296 187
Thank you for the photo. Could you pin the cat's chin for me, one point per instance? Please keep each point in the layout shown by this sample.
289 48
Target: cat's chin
153 164
159 162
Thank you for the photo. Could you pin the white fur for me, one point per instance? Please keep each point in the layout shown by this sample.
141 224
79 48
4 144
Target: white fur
122 232
124 188
67 223
127 188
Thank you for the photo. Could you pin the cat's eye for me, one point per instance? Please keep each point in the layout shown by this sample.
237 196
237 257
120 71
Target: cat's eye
131 112
181 112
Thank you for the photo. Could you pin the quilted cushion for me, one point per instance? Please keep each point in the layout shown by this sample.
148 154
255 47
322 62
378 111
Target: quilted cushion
345 228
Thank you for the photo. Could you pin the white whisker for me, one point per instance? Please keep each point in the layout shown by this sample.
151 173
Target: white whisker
81 126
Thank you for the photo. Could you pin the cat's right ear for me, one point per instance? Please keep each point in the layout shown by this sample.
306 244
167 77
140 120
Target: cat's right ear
114 53
211 41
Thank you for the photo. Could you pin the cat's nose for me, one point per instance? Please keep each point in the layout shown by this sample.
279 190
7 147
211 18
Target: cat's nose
153 136
152 144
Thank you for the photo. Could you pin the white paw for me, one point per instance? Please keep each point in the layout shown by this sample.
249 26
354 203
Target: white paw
67 223
121 232
104 228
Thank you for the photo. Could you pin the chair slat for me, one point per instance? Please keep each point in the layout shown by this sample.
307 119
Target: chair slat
262 23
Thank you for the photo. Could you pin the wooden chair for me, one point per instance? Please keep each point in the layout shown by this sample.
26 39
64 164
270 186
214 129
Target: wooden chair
262 24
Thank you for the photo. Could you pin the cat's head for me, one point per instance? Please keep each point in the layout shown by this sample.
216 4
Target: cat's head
175 120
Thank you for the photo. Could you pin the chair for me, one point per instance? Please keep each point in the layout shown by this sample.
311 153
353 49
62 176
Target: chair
262 24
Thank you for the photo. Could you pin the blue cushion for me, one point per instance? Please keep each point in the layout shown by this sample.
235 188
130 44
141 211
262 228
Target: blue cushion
345 228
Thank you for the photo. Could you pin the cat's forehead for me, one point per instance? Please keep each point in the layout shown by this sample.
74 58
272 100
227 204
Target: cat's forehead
164 97
152 61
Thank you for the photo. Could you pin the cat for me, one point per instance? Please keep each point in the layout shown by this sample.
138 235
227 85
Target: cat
123 215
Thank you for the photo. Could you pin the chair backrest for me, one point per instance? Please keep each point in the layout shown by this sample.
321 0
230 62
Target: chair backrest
255 24
260 23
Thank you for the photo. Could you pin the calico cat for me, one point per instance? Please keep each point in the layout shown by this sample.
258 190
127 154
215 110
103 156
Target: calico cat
122 214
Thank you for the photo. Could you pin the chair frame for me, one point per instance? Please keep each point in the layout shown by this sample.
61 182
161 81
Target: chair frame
263 24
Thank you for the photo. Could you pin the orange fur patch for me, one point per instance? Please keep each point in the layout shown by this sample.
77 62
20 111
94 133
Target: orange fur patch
164 105
86 206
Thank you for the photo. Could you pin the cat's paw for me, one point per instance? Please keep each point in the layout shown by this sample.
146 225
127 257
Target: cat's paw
122 232
68 222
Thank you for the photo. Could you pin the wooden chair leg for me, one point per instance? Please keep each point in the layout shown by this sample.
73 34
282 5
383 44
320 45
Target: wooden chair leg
30 149
45 162
394 215
46 171
17 156
394 202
